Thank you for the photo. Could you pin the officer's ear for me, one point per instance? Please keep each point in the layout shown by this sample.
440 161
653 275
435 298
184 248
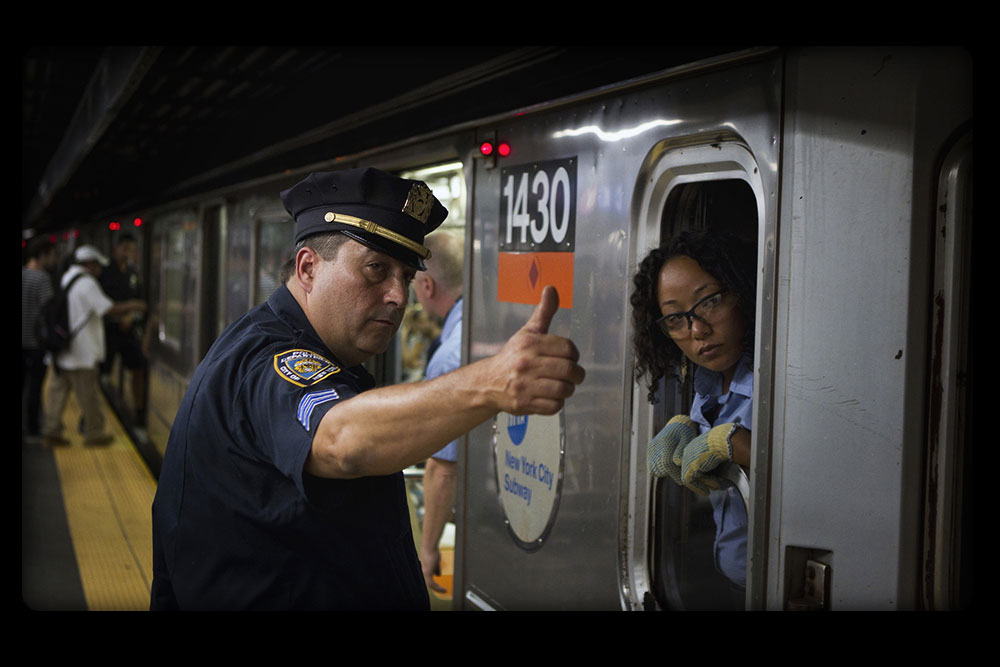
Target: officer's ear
306 260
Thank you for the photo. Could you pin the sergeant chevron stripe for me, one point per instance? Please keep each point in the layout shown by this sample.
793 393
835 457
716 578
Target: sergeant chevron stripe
309 403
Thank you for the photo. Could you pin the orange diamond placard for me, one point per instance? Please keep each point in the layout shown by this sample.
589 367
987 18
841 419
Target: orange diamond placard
523 275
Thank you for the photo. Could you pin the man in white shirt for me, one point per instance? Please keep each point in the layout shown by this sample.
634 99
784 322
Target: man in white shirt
76 367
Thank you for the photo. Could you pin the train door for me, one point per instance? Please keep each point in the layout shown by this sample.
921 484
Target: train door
947 574
419 334
865 132
126 390
176 273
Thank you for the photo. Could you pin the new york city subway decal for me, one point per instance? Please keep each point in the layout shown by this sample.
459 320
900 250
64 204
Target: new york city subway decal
537 231
528 454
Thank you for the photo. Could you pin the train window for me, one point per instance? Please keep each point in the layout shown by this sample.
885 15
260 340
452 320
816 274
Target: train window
420 328
175 262
699 546
259 238
685 550
275 234
235 273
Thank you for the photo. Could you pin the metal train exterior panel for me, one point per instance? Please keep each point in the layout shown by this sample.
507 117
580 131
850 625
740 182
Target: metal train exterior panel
622 145
845 167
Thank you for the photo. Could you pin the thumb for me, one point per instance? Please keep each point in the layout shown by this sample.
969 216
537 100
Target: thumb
544 311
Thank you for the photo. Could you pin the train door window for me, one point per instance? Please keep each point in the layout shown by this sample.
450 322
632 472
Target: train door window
420 328
259 238
236 284
274 244
686 550
176 263
699 548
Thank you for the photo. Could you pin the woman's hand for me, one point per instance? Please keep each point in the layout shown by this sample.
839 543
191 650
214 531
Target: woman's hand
661 453
703 454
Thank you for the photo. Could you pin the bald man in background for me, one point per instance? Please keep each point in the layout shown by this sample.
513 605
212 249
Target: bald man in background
439 291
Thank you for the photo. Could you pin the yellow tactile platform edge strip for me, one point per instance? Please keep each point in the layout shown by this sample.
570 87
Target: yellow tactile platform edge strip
108 492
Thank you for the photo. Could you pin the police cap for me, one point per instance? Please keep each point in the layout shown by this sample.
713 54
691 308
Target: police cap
382 211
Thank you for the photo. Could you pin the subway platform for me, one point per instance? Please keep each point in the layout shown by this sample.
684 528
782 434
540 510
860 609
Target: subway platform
86 534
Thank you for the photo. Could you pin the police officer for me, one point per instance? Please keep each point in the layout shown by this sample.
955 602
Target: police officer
281 485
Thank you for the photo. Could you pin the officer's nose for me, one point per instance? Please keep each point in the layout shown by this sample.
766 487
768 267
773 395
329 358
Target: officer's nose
397 290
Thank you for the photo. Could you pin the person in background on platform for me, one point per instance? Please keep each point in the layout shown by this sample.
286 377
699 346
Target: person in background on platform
439 291
76 368
36 289
693 300
124 332
282 484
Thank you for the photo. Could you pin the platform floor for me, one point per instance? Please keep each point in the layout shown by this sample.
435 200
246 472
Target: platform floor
86 531
86 534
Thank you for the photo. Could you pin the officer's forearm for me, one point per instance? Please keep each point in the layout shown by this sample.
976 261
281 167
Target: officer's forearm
386 430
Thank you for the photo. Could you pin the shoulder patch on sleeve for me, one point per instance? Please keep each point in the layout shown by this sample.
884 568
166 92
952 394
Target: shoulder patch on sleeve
303 368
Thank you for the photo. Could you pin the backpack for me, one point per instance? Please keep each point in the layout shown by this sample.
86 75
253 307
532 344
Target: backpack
52 326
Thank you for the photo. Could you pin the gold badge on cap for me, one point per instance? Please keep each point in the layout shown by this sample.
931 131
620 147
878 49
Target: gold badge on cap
419 202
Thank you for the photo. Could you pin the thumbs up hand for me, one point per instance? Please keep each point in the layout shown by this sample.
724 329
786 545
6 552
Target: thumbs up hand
535 371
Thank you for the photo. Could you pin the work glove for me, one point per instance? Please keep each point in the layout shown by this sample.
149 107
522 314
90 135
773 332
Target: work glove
660 455
703 454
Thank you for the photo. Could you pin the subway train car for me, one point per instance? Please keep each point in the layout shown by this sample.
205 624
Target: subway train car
850 170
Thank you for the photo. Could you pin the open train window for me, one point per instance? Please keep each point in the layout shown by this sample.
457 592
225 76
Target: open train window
687 554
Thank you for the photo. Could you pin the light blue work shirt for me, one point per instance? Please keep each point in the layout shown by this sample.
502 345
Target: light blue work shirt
446 358
729 511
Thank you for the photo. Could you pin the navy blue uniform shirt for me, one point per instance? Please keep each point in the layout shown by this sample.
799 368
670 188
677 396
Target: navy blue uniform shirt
237 523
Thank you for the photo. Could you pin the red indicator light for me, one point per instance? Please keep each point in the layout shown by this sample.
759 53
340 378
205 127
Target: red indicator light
504 149
114 226
486 148
137 222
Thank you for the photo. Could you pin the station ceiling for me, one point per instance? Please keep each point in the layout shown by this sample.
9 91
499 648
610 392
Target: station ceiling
106 130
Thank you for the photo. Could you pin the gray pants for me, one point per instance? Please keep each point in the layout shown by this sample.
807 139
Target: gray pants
84 384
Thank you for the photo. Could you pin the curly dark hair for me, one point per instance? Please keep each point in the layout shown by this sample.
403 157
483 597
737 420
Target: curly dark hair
728 259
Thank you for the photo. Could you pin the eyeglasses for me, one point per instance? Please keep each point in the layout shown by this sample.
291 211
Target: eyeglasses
707 310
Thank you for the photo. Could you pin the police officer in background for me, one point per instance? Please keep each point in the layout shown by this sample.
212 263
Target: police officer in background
281 485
